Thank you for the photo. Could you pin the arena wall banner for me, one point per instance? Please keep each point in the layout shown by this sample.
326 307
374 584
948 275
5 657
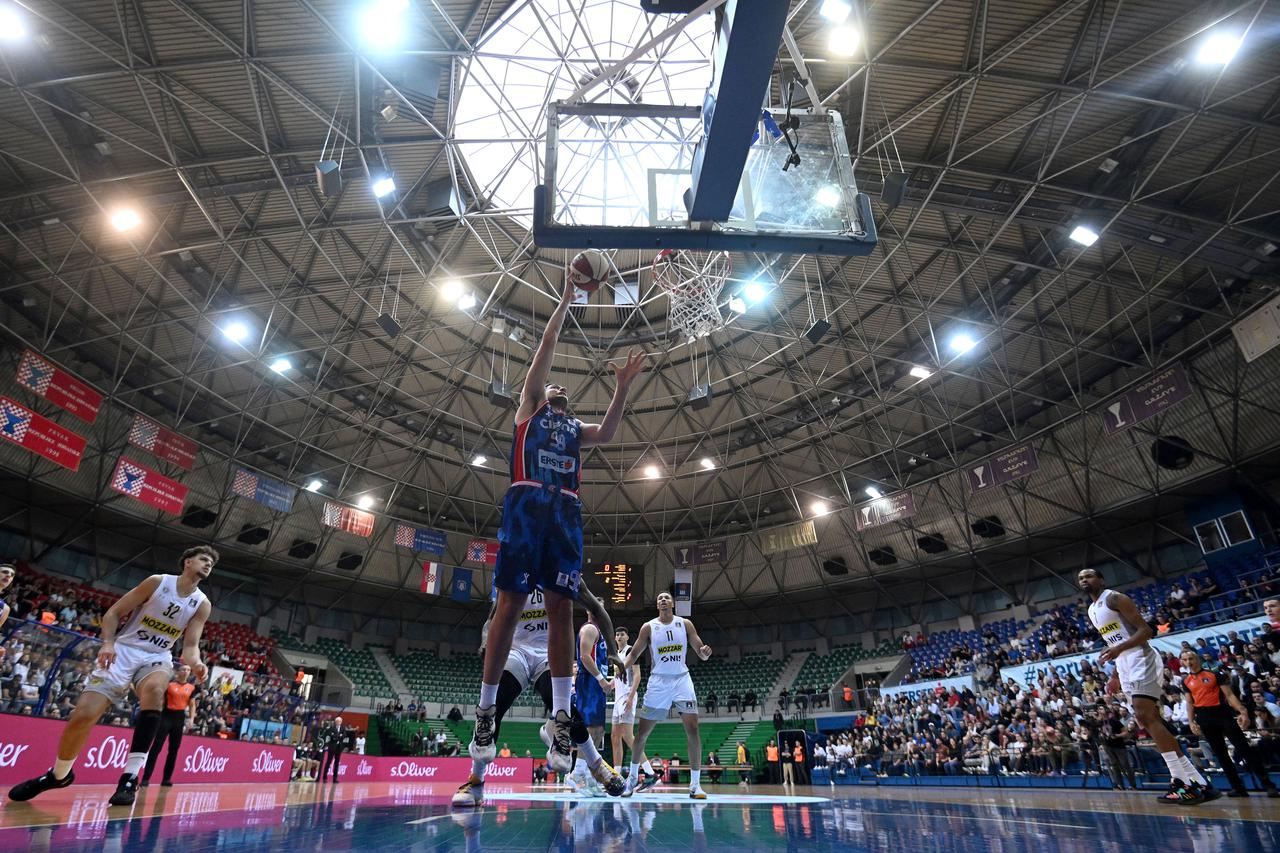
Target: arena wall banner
1216 635
445 771
920 688
27 746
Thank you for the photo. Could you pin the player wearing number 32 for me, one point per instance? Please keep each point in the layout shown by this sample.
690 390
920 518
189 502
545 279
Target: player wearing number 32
669 639
541 534
137 655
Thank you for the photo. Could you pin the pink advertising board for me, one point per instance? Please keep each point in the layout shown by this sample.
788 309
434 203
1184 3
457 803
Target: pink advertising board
28 744
447 771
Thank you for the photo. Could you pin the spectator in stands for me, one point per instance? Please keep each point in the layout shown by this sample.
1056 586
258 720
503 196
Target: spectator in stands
455 716
784 699
442 743
416 742
750 701
778 722
713 767
735 701
712 702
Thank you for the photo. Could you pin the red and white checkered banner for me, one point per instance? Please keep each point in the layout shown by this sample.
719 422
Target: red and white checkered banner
44 378
165 444
40 435
150 487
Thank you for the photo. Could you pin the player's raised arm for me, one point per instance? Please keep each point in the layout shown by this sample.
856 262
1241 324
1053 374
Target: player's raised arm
638 647
624 374
535 381
191 641
695 642
593 604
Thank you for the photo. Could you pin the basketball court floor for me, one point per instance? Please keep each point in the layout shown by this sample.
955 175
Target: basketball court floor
369 817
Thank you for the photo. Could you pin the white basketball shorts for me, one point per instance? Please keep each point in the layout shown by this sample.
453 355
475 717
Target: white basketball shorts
664 692
130 667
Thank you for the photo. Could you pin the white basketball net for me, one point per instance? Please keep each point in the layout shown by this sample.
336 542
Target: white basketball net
693 282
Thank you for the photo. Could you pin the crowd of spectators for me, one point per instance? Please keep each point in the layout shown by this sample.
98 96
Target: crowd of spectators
1054 726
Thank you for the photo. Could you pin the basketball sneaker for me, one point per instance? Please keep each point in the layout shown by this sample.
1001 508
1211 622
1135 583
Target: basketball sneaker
24 791
647 781
609 779
470 793
126 790
1182 794
481 747
555 733
1209 792
696 793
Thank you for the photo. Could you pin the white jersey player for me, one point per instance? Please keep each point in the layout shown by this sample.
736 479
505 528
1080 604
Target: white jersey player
626 692
669 639
1138 673
164 608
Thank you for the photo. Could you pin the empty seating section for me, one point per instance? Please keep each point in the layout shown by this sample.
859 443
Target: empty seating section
754 672
243 648
431 678
823 671
357 664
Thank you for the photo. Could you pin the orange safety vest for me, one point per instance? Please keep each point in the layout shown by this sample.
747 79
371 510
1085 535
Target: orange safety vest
772 752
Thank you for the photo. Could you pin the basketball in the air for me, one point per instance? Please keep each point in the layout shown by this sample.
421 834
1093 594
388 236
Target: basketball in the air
588 270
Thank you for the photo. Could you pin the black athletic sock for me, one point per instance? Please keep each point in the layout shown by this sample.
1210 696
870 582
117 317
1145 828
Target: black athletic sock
144 731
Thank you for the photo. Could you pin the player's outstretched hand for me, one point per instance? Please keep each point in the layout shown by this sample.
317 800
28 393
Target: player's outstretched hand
106 655
1113 684
200 671
566 298
704 651
627 372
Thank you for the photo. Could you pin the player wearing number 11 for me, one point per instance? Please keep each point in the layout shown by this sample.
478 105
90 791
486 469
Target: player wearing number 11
669 639
541 533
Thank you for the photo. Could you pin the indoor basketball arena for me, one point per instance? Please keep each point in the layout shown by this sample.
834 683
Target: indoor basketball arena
639 425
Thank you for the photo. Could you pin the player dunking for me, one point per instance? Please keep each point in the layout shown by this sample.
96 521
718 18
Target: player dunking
541 533
669 638
1138 673
527 668
164 608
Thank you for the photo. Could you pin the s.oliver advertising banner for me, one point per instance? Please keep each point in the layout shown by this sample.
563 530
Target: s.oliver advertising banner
27 746
44 378
922 688
446 771
1215 635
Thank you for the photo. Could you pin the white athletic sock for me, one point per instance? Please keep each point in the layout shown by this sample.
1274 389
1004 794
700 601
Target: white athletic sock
488 695
62 768
133 763
561 690
1193 774
695 776
579 767
478 768
648 768
1174 762
634 776
587 749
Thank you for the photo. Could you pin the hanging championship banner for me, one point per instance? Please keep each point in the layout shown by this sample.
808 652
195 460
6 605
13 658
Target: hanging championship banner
150 487
684 592
46 379
347 518
701 554
482 551
1146 400
165 444
421 540
1003 468
270 493
40 435
788 538
894 507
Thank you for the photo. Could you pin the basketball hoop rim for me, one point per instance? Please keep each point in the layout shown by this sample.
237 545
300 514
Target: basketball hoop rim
696 272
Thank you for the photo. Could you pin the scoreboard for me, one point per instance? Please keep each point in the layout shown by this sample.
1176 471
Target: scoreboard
621 585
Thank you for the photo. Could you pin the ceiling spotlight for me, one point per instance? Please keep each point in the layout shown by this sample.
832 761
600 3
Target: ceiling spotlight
962 342
835 11
452 289
843 41
479 459
236 332
384 186
737 305
1084 235
280 365
12 26
125 219
708 463
753 291
389 112
467 301
1218 49
653 472
820 508
314 486
365 501
921 372
828 196
874 493
382 24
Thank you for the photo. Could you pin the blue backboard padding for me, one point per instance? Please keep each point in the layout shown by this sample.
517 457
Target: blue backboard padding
746 47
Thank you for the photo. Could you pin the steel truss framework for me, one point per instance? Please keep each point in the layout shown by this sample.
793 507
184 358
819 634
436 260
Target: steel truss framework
1013 120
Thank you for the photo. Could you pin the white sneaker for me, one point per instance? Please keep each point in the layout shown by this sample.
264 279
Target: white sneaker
469 795
555 733
696 793
482 747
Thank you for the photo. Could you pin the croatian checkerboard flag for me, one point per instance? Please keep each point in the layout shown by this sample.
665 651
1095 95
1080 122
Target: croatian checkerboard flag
482 551
431 573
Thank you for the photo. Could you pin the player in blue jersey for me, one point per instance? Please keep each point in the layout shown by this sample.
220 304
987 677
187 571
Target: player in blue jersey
590 686
541 533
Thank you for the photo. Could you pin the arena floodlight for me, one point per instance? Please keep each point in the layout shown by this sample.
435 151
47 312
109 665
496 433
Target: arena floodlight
236 332
452 289
281 365
12 25
1084 235
479 459
314 486
820 508
708 463
467 301
653 472
364 501
921 372
384 186
125 218
843 41
962 342
1219 49
382 23
754 292
835 11
874 493
828 196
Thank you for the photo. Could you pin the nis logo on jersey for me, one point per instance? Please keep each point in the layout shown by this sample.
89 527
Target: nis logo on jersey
160 634
672 652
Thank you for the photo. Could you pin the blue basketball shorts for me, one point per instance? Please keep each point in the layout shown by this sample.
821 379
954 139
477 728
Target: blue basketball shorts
589 699
541 539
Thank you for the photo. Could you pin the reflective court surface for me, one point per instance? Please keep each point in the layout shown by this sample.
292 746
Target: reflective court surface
306 816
